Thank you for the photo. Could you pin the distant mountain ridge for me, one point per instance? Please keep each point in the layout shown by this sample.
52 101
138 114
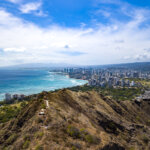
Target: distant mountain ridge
41 65
139 66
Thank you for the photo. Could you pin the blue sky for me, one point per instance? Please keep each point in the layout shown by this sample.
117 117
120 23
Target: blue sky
74 31
71 13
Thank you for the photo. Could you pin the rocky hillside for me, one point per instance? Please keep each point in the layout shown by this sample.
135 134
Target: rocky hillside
67 120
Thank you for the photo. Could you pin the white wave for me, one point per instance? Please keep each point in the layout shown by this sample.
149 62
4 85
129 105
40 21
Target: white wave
76 82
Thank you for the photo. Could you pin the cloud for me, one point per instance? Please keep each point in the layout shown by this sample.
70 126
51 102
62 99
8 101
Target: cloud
147 49
140 57
66 46
145 56
105 13
72 53
118 42
7 20
14 49
121 11
14 1
31 7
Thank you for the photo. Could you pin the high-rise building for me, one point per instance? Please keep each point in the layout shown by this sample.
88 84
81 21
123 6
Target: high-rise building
132 83
7 97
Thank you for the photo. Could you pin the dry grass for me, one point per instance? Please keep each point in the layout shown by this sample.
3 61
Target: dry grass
75 120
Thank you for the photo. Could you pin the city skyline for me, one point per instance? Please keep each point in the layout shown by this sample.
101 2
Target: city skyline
74 32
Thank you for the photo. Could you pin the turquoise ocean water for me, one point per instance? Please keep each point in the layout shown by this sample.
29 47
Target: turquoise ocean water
32 81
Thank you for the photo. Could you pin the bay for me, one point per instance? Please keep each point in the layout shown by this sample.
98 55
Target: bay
33 81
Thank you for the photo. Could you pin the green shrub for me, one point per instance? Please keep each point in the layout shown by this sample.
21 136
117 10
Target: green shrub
12 138
145 139
138 118
131 148
73 148
148 122
82 134
26 144
39 135
6 148
8 112
73 132
23 104
43 106
39 147
91 139
27 137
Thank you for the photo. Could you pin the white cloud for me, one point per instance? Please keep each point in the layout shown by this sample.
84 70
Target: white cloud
105 13
24 42
8 20
30 7
14 49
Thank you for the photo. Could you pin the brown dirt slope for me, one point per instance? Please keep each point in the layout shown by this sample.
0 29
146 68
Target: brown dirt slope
78 120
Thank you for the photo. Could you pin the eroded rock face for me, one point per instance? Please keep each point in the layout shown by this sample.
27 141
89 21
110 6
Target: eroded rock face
110 125
78 120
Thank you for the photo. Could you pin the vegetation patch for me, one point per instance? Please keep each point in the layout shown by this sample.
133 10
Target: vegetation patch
115 93
43 106
75 146
138 118
145 139
39 147
11 139
26 144
82 134
39 135
8 112
73 132
23 104
27 137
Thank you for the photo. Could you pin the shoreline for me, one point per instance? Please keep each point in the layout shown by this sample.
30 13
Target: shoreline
69 76
59 73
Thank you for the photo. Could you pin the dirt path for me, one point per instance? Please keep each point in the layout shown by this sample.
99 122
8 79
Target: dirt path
47 104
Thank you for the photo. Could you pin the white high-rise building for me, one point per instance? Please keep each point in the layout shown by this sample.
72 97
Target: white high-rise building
132 83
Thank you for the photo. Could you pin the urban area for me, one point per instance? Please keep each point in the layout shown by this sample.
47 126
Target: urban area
103 78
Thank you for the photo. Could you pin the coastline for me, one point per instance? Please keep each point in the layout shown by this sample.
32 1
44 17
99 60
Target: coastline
69 76
36 93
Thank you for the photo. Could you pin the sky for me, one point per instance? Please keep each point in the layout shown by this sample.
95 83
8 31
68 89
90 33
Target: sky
80 32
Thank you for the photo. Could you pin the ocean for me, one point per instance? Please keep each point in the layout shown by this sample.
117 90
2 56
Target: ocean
33 81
